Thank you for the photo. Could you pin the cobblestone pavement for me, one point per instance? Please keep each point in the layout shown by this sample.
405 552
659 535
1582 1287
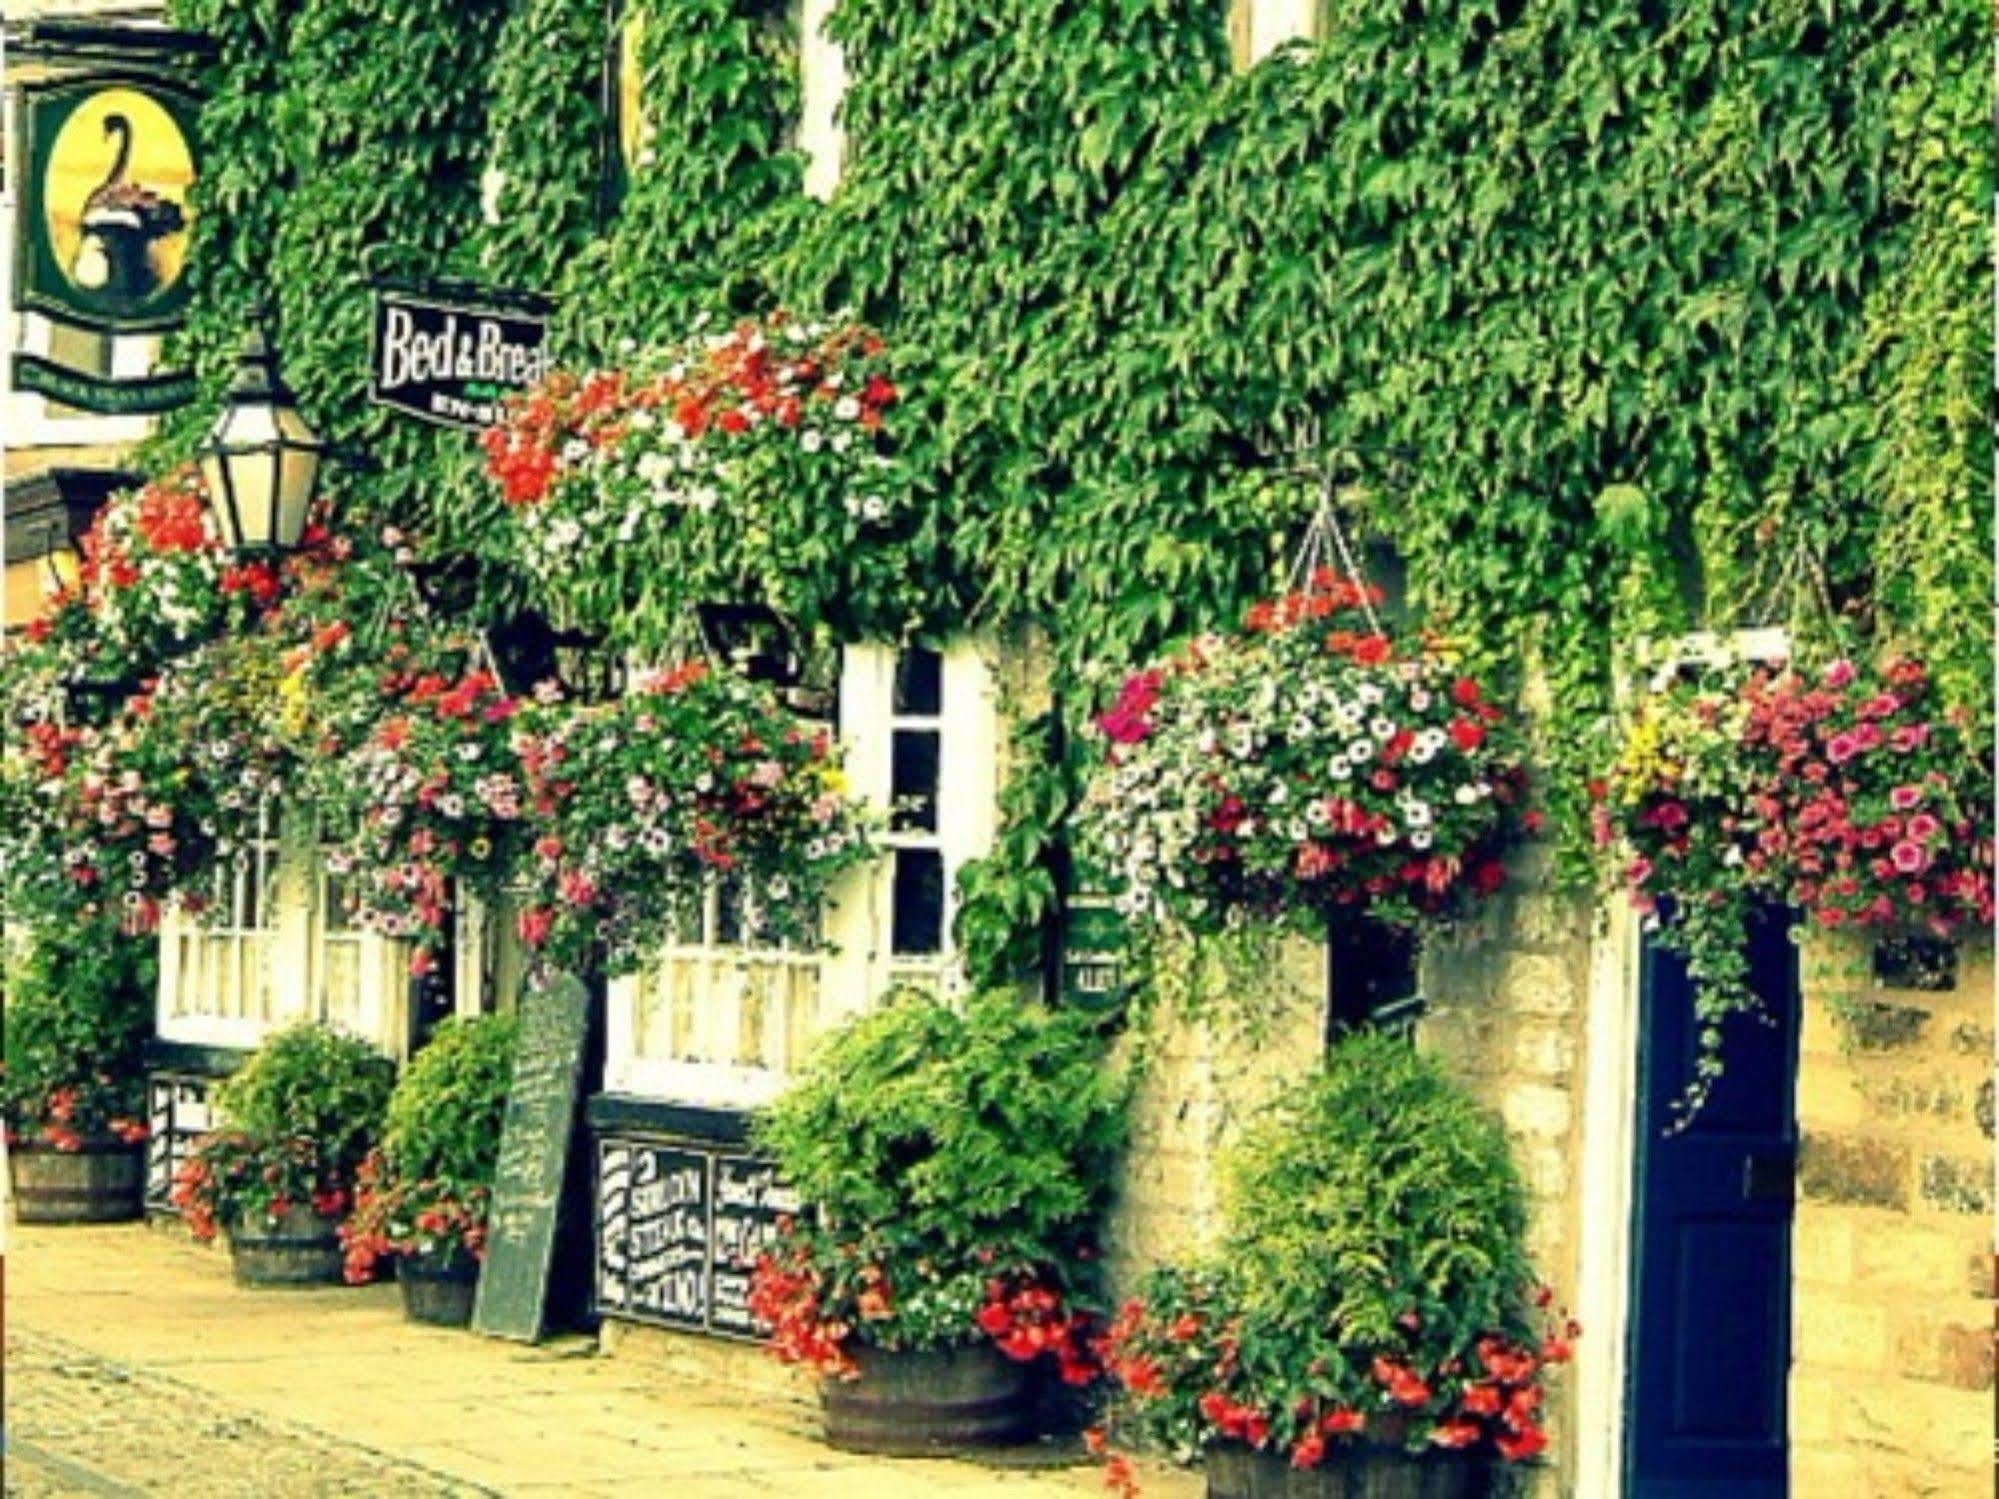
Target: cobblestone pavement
134 1366
78 1424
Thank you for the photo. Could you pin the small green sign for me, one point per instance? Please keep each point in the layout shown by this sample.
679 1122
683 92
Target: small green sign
1093 953
146 396
105 216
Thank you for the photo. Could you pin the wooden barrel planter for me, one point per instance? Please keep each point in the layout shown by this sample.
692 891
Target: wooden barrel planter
299 1248
1352 1470
440 1294
941 1400
102 1181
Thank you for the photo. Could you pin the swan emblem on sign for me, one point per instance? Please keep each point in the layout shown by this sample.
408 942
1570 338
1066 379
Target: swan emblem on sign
122 221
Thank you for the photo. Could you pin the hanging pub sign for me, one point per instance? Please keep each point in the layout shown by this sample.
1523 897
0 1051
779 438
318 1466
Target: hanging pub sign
451 352
104 215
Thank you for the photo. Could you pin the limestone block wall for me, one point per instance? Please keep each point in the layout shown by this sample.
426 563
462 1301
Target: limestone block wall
1199 1083
1892 1311
1507 1007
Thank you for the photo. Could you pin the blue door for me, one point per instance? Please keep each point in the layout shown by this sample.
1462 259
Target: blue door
1711 1274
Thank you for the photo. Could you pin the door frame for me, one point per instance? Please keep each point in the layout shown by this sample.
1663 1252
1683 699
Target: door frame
1612 1037
1613 1040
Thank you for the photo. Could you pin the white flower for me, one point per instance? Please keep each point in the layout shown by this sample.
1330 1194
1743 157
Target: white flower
1340 769
1383 728
1464 796
874 507
842 441
1368 693
1361 751
1419 699
1420 838
847 409
1416 814
811 440
1301 727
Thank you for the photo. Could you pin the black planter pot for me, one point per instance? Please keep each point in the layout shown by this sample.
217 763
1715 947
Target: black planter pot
440 1294
102 1181
942 1400
299 1248
1351 1470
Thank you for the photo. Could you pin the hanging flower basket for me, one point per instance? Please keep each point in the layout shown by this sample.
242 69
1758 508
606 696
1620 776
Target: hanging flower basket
754 463
693 778
1308 767
1848 797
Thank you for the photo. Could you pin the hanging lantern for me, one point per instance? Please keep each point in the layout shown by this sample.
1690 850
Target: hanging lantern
261 462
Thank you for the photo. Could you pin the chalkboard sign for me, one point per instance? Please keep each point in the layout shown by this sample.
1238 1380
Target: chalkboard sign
680 1225
534 1147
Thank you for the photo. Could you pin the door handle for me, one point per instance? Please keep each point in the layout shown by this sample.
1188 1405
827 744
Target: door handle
1769 1177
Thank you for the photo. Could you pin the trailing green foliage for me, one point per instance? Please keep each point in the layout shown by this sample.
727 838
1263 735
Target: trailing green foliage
706 204
1620 318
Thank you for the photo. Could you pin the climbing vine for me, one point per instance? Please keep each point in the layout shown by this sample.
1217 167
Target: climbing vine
1618 319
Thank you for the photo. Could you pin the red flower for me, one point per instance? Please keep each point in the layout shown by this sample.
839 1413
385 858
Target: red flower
1467 735
1456 1433
1515 1446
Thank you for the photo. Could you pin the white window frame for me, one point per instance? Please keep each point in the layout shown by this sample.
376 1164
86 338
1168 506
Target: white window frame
292 936
857 966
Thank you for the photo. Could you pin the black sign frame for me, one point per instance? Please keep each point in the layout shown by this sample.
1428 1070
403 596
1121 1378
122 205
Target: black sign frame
713 1156
515 311
36 273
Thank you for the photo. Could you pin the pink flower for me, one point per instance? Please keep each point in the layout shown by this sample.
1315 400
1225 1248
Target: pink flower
1839 673
1908 857
1909 736
1923 827
534 924
1902 798
1841 748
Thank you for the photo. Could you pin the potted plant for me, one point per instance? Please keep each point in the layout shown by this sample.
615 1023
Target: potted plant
1848 797
1367 1319
954 1163
423 1195
1309 768
78 1003
302 1114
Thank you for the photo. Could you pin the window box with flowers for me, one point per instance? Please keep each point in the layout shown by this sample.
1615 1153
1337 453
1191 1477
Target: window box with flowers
1844 795
954 1163
1367 1323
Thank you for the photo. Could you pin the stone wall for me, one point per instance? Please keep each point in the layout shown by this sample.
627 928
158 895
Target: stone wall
1199 1082
1507 1006
1892 1311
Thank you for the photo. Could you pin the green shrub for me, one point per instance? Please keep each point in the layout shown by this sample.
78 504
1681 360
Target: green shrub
428 1189
1371 1276
79 1004
956 1163
301 1116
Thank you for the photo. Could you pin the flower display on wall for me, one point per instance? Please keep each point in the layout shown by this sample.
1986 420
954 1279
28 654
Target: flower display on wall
694 777
154 579
754 463
1309 766
428 797
1847 796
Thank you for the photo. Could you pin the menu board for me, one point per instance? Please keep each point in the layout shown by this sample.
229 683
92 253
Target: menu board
680 1225
177 1114
534 1148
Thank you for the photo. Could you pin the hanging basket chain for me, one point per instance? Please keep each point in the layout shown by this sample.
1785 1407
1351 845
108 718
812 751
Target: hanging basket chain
1325 540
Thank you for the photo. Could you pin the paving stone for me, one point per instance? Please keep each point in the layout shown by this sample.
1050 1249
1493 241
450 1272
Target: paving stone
135 1367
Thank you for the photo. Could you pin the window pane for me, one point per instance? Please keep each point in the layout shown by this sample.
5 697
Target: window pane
913 779
919 683
918 925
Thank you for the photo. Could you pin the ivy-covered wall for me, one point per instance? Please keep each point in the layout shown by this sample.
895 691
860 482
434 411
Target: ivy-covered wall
1618 318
